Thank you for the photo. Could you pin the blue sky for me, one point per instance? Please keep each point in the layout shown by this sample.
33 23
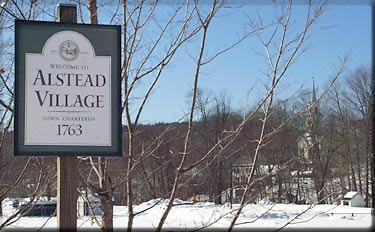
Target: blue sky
239 70
236 72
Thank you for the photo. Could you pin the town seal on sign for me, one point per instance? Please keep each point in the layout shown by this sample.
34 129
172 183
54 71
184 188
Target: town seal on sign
69 50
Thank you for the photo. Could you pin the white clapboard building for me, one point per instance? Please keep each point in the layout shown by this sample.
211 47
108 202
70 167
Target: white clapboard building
353 199
88 204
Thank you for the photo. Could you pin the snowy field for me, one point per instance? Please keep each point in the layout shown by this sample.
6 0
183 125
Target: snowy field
190 217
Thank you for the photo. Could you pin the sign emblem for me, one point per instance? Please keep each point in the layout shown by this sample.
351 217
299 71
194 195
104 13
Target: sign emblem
69 50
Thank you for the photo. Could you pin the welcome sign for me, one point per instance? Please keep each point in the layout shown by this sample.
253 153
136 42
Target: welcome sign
68 94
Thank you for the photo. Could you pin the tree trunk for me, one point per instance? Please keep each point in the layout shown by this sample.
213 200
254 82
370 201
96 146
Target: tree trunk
367 180
219 181
129 190
107 213
298 195
348 177
372 167
318 183
106 185
358 165
354 181
93 11
368 162
106 199
320 193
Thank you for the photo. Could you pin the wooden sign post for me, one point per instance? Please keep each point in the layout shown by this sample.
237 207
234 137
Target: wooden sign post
67 170
67 194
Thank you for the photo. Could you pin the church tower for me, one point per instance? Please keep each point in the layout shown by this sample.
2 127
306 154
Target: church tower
308 143
313 113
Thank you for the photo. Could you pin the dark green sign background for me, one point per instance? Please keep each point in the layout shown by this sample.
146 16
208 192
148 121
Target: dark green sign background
30 37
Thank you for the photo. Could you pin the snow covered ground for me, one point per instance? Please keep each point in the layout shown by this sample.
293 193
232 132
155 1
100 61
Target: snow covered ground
193 216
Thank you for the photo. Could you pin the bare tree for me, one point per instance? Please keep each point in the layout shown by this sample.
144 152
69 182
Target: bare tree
342 121
282 49
135 70
100 185
146 54
194 22
361 99
204 23
215 116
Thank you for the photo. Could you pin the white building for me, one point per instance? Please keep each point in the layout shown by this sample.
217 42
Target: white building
88 204
353 199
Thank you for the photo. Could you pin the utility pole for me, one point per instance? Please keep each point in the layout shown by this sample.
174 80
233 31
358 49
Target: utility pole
67 170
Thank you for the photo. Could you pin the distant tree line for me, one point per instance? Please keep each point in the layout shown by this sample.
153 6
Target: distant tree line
344 140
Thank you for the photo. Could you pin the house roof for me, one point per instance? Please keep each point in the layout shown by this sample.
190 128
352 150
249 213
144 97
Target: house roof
350 195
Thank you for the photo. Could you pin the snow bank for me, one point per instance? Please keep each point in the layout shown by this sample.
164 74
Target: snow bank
265 214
